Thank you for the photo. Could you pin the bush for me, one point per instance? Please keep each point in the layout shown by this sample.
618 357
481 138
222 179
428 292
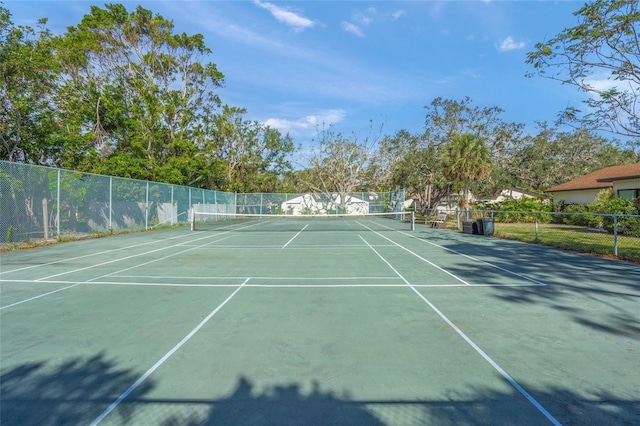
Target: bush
523 210
579 216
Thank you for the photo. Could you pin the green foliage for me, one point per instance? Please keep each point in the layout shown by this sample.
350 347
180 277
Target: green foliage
602 45
29 72
524 210
600 214
466 158
581 215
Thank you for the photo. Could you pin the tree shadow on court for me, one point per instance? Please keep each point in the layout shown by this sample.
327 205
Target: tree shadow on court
286 404
290 405
595 292
74 392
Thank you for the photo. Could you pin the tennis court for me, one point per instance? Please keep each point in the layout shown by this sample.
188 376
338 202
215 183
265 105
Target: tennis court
358 321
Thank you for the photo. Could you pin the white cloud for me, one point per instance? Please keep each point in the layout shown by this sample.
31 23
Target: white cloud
351 28
308 122
286 16
510 44
398 14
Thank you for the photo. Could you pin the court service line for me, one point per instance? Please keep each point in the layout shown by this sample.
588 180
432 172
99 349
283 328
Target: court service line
294 237
161 361
156 260
172 277
467 339
42 280
126 257
189 284
417 255
524 277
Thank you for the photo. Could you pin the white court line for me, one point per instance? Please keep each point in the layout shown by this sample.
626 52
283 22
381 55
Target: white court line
294 237
306 278
161 361
467 339
39 296
417 255
127 257
157 260
524 277
88 281
53 262
164 284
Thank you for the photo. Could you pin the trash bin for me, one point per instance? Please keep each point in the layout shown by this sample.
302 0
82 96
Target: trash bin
487 226
480 227
467 227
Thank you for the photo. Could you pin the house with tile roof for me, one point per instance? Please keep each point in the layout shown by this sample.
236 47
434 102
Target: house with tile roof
624 180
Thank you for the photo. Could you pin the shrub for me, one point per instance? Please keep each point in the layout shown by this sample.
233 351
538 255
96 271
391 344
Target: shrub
523 210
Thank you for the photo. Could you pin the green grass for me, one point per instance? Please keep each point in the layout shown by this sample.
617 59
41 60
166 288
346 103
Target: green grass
573 238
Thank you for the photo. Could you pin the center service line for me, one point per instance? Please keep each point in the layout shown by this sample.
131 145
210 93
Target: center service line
294 237
417 255
486 357
150 371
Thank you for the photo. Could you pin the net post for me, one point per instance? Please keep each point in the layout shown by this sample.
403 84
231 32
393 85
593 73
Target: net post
193 218
413 220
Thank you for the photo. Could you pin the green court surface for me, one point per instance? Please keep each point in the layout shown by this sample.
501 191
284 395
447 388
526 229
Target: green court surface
289 325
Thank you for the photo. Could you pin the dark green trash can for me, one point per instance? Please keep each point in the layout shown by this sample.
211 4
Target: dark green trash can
487 226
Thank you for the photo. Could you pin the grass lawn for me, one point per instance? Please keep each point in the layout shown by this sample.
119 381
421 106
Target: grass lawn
571 238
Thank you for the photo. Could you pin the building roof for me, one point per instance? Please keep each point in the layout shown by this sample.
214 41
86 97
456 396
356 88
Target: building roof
600 179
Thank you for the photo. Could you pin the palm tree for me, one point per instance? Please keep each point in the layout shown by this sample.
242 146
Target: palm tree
466 158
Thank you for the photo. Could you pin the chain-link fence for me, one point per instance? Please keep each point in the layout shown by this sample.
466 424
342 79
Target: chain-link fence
324 204
596 233
46 203
43 203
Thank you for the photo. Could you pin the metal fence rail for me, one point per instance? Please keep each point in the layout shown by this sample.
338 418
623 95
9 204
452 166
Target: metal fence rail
43 203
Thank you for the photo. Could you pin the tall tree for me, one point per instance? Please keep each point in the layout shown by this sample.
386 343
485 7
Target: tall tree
551 157
600 56
136 92
337 163
447 118
410 162
255 156
28 72
466 159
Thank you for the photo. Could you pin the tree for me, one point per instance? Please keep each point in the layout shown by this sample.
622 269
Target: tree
255 156
447 118
551 157
600 56
466 158
337 164
28 74
410 162
136 93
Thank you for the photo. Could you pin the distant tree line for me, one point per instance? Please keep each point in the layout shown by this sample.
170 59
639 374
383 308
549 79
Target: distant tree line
122 94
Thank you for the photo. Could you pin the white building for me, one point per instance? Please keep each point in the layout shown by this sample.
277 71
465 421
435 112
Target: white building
323 204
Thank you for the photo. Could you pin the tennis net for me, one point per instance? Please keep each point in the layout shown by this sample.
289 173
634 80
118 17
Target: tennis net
391 221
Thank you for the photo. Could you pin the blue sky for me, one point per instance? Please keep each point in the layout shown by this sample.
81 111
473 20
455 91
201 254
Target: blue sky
297 64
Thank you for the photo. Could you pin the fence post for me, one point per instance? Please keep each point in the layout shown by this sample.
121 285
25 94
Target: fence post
146 209
58 206
172 217
536 222
45 218
615 234
110 200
